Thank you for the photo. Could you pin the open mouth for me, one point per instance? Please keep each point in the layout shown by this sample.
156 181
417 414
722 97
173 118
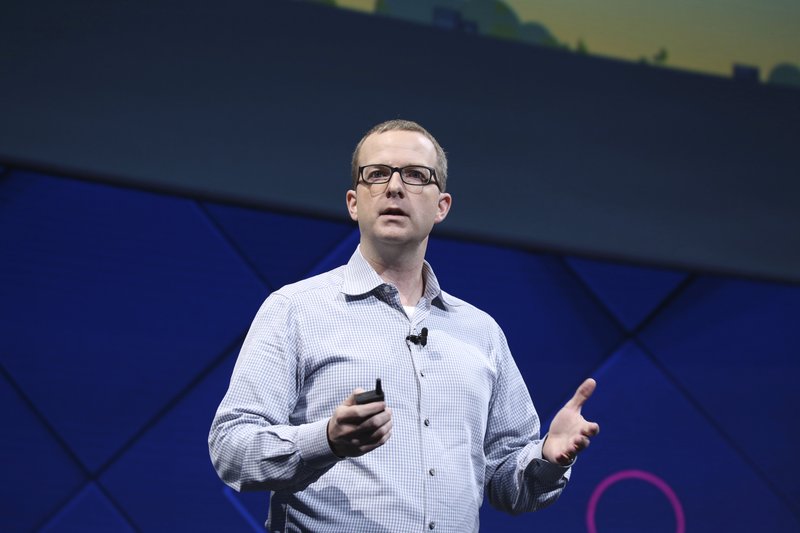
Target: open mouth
394 211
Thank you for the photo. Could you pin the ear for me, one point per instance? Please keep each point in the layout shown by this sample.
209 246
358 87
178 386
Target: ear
445 201
352 206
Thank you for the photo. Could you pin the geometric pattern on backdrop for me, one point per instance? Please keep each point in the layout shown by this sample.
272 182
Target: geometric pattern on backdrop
121 314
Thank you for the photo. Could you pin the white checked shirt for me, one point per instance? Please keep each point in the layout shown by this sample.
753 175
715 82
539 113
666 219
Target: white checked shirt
463 420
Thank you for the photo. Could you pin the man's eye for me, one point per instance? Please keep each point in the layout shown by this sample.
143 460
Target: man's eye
376 174
415 175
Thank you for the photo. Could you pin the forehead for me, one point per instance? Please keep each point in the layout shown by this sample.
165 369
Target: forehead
397 148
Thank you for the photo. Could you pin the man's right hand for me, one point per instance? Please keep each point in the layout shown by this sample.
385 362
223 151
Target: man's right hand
354 430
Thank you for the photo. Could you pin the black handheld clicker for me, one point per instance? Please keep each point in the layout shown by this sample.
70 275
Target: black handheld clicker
372 395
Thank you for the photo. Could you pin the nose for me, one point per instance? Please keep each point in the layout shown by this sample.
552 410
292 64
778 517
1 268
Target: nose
395 186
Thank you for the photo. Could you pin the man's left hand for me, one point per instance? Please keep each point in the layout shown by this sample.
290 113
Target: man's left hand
569 431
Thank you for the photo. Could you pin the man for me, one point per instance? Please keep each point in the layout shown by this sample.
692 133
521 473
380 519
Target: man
457 418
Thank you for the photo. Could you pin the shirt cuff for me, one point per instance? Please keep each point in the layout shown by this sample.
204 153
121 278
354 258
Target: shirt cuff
312 443
545 471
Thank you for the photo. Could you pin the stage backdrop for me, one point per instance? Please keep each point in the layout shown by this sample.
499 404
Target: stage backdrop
122 310
164 167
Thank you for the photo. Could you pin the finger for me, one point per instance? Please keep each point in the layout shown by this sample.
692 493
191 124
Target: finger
364 448
369 409
590 430
373 429
380 419
582 394
565 459
372 423
356 414
569 455
379 433
580 444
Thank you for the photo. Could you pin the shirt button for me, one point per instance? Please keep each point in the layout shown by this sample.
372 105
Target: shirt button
421 373
432 471
427 422
431 525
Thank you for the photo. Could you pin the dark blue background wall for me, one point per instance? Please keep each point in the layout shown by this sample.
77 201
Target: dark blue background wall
122 308
121 312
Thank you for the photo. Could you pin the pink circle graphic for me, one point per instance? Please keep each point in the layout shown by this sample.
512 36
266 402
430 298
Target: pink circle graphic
654 480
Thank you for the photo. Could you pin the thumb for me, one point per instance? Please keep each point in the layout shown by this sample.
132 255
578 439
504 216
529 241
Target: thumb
351 400
582 394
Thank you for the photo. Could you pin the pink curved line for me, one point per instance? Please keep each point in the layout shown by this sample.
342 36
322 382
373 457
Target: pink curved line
635 474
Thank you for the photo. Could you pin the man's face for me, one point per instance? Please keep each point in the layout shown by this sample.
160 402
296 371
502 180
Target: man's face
394 212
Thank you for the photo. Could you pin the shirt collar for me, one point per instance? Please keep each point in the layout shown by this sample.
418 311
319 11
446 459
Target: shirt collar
360 278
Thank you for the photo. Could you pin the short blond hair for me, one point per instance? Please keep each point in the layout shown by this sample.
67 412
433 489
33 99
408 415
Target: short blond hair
404 125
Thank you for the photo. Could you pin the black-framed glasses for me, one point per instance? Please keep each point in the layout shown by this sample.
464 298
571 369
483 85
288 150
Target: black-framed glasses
411 175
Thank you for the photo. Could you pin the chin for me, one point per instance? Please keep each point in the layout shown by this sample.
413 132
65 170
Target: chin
393 237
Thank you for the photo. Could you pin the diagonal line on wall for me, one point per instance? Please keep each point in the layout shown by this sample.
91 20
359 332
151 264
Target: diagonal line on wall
633 337
44 422
603 309
627 336
88 477
117 507
592 295
198 378
665 301
232 244
227 492
94 477
568 394
698 406
173 402
147 426
332 252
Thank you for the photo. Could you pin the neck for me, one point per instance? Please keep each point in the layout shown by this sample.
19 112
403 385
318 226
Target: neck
401 268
